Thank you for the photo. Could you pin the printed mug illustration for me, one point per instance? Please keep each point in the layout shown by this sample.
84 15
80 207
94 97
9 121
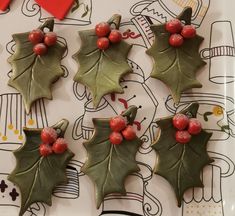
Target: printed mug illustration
208 201
221 53
79 15
147 12
216 112
138 201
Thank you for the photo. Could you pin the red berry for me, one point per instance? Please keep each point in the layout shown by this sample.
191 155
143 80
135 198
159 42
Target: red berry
45 149
182 137
40 49
188 31
36 36
103 43
115 138
115 36
176 40
60 146
174 26
102 29
180 121
48 135
117 123
129 133
194 126
50 38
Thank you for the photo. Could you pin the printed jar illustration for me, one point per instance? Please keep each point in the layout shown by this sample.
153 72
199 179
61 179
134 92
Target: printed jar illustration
221 53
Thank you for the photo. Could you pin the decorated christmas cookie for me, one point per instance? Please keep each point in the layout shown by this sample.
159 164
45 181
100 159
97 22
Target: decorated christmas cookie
111 153
41 164
102 59
36 63
181 148
175 52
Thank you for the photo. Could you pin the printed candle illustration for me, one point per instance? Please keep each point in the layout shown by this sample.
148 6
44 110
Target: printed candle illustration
79 14
208 201
13 116
221 53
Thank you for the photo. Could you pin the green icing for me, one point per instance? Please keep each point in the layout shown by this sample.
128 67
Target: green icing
108 165
176 67
33 75
99 70
35 175
181 164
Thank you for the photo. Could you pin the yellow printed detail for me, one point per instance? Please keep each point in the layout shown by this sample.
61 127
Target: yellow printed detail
10 126
30 122
217 111
20 137
4 138
16 131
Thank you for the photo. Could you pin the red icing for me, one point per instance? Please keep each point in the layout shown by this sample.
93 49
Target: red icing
58 8
4 4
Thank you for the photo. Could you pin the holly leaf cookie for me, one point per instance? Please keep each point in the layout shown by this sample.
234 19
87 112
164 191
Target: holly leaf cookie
109 164
181 163
101 69
176 66
35 174
33 74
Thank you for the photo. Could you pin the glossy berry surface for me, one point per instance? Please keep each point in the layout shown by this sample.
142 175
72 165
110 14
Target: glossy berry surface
176 40
103 43
50 38
102 29
36 36
115 36
180 121
182 137
117 123
60 146
45 150
194 126
129 133
40 49
48 135
188 31
115 138
174 26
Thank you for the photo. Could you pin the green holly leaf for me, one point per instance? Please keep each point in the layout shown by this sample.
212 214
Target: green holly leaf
181 164
108 165
176 67
33 75
101 70
35 175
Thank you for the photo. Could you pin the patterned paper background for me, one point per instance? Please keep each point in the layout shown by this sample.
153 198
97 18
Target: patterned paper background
147 194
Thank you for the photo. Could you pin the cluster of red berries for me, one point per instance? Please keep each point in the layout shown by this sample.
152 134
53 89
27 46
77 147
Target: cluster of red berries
186 127
42 41
106 35
120 130
179 32
51 143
